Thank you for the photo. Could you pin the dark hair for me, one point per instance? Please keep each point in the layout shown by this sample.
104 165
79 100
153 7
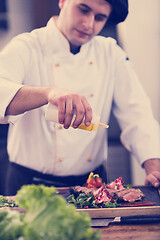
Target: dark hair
119 11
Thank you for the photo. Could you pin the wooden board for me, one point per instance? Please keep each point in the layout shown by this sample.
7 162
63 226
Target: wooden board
120 212
152 194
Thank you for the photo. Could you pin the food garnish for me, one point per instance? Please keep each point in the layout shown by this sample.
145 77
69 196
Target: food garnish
94 181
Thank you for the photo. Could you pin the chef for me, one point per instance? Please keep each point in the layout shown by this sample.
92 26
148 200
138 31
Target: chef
68 65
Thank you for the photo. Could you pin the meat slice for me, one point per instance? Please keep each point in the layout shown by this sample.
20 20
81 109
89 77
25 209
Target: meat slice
120 194
78 190
127 195
133 195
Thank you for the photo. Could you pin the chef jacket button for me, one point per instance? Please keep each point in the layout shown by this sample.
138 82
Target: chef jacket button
60 159
91 95
89 159
57 65
90 62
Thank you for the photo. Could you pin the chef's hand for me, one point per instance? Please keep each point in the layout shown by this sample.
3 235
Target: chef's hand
153 179
152 168
70 103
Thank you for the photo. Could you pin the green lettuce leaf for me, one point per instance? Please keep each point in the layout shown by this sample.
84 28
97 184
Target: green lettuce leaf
11 224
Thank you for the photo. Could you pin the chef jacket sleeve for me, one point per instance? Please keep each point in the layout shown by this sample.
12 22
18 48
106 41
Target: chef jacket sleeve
14 63
132 108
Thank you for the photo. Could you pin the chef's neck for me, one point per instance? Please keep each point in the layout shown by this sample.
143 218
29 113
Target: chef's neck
75 50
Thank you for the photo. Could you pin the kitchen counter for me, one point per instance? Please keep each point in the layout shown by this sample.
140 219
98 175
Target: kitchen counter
118 231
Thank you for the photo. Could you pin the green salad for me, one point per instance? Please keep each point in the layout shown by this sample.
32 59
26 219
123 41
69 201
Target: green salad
5 202
88 201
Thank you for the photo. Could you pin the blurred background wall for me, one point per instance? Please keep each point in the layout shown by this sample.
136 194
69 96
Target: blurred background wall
139 36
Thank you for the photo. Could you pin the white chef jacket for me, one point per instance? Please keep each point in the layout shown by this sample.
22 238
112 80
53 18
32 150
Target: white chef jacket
100 72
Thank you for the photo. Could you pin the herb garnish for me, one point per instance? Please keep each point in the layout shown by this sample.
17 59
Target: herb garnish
5 202
88 201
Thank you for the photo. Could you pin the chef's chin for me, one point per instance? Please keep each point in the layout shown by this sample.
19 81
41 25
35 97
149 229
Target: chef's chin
78 42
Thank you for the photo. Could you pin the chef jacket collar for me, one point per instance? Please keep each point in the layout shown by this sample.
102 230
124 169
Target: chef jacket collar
56 42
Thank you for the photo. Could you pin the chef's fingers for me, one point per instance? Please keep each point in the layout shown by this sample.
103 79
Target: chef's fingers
153 179
88 112
68 113
156 174
79 111
61 110
70 104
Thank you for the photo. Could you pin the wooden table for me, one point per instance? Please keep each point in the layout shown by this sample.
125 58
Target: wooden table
118 231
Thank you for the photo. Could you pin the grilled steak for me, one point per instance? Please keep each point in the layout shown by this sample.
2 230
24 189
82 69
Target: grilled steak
127 195
133 195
